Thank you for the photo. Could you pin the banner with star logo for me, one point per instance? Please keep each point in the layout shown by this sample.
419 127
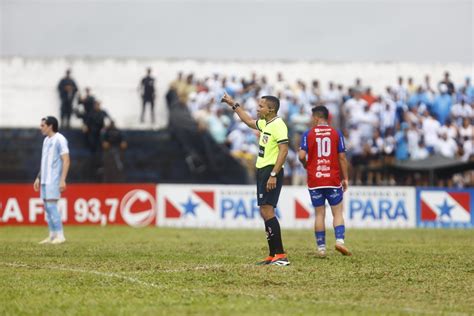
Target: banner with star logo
445 208
364 207
235 206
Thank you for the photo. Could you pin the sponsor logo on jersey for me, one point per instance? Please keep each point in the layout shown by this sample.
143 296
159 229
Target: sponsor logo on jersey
322 130
323 168
322 175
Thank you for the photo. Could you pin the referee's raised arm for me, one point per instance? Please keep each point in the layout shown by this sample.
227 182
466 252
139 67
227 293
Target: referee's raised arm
244 116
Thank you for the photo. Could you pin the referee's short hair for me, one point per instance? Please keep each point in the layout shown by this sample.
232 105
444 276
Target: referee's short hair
273 101
320 111
51 120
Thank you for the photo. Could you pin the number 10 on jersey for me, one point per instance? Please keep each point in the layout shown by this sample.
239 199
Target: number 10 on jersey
324 146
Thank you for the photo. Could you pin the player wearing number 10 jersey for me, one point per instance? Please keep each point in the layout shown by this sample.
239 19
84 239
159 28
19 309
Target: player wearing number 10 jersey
322 153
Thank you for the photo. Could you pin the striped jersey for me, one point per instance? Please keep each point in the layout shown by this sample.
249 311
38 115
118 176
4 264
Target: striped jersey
51 163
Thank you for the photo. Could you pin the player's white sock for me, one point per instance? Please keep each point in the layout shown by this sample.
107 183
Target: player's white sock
60 234
322 248
340 241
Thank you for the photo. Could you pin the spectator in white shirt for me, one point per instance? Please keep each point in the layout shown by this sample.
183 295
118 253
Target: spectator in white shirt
378 106
367 121
315 92
430 128
419 152
412 116
450 129
387 116
332 100
303 94
466 130
401 91
413 137
355 147
428 89
358 86
353 108
446 146
214 84
461 110
280 85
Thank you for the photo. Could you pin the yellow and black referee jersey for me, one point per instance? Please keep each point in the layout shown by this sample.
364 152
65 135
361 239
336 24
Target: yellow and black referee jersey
272 133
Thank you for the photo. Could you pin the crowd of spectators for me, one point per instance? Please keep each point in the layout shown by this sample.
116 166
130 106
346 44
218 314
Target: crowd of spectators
407 121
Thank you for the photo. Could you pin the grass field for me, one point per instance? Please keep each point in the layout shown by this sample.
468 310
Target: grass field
156 271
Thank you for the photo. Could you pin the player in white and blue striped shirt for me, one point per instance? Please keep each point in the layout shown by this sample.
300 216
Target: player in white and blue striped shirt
51 180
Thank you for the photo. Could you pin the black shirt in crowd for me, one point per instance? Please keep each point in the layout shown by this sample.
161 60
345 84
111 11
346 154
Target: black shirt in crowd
148 84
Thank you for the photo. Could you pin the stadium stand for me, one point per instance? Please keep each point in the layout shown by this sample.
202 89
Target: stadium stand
387 119
152 156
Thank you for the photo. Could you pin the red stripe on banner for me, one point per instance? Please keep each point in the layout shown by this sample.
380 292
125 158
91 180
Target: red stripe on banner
300 211
463 199
171 211
426 213
207 197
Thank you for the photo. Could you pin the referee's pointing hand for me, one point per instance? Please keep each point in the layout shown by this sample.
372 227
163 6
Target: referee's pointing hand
227 99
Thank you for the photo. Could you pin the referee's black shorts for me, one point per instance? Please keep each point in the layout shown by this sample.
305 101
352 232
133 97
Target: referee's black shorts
270 197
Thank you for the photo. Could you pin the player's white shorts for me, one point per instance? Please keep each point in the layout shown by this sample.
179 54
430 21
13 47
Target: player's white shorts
50 192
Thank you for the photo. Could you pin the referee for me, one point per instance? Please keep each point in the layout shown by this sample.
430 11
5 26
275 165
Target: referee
273 149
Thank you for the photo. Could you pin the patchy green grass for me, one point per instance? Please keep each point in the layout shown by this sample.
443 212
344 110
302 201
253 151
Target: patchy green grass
157 271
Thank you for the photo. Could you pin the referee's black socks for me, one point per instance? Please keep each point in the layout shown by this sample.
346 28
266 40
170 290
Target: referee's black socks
272 227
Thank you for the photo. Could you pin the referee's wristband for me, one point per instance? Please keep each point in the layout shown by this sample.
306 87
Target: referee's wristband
235 106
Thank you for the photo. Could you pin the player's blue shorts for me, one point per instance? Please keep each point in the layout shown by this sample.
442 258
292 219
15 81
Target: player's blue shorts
50 192
319 196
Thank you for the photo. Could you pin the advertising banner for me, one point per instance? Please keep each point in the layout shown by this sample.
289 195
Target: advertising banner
235 206
380 207
217 206
364 207
449 208
93 204
223 206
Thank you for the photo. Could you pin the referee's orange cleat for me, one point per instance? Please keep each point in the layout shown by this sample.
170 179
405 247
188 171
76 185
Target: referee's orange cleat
343 250
265 261
280 260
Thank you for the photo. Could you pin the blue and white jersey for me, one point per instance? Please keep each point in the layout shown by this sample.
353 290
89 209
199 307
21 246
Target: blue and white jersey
51 163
